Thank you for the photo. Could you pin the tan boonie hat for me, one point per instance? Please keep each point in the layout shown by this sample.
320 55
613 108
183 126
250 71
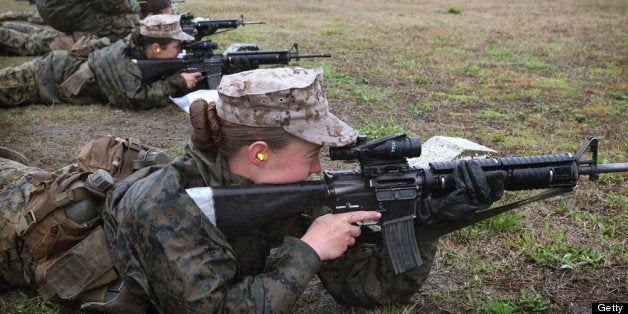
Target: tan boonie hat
163 26
290 97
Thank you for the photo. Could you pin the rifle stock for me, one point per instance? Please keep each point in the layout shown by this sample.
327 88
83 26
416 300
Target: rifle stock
393 188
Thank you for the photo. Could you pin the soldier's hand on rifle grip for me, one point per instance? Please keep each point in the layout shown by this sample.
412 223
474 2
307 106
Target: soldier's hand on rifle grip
330 235
475 190
190 79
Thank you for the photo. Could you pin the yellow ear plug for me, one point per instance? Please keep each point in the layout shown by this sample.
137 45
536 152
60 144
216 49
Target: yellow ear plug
260 156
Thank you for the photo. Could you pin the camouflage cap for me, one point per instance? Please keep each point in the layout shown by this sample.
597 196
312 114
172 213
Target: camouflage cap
163 26
290 97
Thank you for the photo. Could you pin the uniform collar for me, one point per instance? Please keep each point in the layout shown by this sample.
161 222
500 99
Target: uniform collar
213 168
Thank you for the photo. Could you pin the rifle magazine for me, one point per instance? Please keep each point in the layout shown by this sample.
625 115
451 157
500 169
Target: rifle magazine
400 245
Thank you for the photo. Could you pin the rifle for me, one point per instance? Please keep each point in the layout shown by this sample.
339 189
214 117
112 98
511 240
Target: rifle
387 183
201 27
203 60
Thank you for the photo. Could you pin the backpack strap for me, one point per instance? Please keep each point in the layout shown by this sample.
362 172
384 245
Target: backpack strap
43 204
133 148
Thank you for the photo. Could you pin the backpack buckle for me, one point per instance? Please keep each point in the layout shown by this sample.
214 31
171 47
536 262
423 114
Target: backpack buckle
24 223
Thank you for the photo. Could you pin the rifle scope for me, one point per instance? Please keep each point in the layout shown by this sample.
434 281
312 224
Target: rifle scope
388 148
186 17
201 45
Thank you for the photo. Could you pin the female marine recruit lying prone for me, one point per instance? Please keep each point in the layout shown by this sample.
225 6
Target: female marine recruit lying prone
267 126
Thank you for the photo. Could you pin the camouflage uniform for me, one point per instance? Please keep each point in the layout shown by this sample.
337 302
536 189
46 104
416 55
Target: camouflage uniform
118 80
169 252
114 19
17 266
16 263
32 17
25 40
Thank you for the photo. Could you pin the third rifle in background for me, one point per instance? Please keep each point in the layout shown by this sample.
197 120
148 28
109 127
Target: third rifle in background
200 27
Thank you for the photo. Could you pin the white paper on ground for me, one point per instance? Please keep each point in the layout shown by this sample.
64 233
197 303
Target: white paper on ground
184 102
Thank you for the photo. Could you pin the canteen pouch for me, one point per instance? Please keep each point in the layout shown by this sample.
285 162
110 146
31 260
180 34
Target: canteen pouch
120 157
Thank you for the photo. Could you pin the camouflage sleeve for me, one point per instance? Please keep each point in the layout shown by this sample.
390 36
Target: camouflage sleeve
120 80
117 6
362 277
126 89
170 253
287 273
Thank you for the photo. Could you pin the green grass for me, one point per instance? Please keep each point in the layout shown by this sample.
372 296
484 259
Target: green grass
420 79
22 302
507 222
453 10
557 254
373 130
529 300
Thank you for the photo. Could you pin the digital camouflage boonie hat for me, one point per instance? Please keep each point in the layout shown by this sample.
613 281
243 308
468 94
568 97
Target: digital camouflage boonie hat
290 97
163 26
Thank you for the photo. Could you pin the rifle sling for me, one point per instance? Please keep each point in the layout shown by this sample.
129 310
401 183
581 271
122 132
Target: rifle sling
433 233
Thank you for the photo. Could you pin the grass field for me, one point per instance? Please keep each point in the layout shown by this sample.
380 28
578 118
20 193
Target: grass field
524 77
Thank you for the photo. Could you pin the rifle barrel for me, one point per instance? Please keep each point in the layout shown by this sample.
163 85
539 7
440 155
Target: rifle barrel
313 55
604 168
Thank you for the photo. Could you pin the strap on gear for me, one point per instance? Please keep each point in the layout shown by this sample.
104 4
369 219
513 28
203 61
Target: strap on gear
85 266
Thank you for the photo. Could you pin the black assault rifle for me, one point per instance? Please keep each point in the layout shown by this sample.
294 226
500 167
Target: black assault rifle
202 59
202 27
387 183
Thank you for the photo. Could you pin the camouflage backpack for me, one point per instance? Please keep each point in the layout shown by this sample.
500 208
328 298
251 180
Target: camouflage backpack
62 227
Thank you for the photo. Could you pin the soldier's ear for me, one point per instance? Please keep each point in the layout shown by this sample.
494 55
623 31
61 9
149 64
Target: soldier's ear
258 153
155 48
